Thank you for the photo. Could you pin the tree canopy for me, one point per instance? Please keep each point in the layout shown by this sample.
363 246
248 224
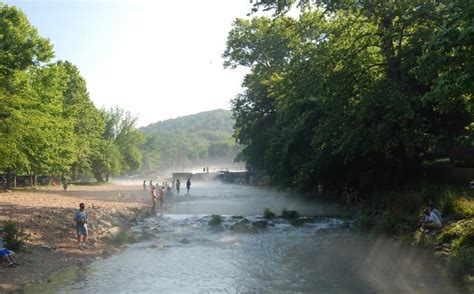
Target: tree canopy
353 87
48 124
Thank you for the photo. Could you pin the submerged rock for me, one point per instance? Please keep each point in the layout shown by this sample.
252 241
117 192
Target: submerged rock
243 226
300 221
290 214
260 224
184 241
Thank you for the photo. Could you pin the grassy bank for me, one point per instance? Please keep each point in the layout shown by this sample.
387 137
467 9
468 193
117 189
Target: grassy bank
397 214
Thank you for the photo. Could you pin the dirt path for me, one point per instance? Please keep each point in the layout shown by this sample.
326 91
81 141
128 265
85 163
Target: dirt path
47 214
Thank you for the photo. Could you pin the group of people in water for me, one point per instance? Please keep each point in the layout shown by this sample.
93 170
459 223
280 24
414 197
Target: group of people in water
158 191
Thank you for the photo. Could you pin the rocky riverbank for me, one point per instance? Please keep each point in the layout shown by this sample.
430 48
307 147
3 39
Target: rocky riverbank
47 215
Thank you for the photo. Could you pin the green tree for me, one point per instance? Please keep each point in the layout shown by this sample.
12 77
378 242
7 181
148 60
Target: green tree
21 50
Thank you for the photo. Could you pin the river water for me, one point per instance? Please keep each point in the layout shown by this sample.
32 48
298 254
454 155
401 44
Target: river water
184 255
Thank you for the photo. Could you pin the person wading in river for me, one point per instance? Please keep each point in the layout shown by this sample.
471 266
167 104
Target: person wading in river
161 198
153 197
178 184
188 185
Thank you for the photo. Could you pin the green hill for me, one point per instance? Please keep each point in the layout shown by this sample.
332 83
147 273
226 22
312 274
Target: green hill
193 139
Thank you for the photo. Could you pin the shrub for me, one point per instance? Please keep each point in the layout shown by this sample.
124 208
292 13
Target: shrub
15 237
462 260
216 220
268 214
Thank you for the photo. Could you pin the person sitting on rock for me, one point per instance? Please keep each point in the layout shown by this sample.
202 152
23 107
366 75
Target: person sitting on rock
431 221
8 255
436 211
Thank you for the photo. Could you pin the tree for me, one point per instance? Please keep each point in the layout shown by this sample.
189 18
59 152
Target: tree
21 49
350 93
117 152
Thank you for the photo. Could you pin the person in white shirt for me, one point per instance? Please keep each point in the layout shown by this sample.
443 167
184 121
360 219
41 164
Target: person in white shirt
431 222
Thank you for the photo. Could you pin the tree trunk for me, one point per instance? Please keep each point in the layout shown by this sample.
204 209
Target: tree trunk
98 177
31 180
107 177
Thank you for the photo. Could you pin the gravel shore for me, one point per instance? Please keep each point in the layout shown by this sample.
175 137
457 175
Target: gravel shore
47 214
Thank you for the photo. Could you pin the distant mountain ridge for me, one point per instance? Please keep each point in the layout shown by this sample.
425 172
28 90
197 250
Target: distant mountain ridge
201 138
219 120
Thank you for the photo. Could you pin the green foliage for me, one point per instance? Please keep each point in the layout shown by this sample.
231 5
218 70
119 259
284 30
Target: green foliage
268 214
15 236
462 260
352 87
216 220
117 150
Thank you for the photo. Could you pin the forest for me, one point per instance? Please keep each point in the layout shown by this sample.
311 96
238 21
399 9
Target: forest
353 87
48 123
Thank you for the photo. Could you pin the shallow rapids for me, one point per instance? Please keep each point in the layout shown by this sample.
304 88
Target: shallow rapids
184 255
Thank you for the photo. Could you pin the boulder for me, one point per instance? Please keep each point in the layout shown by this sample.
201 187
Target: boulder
105 223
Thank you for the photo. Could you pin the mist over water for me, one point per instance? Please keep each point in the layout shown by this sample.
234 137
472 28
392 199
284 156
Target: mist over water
186 256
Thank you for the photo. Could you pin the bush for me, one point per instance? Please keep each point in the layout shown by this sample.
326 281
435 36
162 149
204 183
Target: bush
216 220
268 214
15 237
462 260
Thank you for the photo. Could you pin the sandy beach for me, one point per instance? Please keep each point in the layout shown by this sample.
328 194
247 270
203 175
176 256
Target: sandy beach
47 214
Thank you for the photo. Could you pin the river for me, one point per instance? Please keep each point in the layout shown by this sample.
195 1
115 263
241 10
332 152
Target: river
322 256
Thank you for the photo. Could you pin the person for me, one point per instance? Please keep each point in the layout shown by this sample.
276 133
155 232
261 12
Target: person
188 185
153 197
436 211
203 169
144 185
207 169
161 198
8 255
151 183
81 225
64 182
431 221
178 184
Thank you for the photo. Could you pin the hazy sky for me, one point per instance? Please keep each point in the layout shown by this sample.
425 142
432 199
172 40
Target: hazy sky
157 59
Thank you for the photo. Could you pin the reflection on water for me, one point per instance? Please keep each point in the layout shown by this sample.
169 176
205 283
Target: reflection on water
186 256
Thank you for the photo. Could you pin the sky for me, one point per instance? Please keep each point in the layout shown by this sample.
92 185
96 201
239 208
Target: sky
156 59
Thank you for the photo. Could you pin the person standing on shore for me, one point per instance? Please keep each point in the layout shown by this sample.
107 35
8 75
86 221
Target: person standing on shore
188 185
153 198
81 225
144 185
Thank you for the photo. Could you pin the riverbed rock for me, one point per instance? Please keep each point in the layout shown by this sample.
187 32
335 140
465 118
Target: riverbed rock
300 221
184 241
105 223
113 232
290 214
243 226
260 224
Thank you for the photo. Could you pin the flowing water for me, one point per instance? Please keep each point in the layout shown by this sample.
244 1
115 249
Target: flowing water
184 255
